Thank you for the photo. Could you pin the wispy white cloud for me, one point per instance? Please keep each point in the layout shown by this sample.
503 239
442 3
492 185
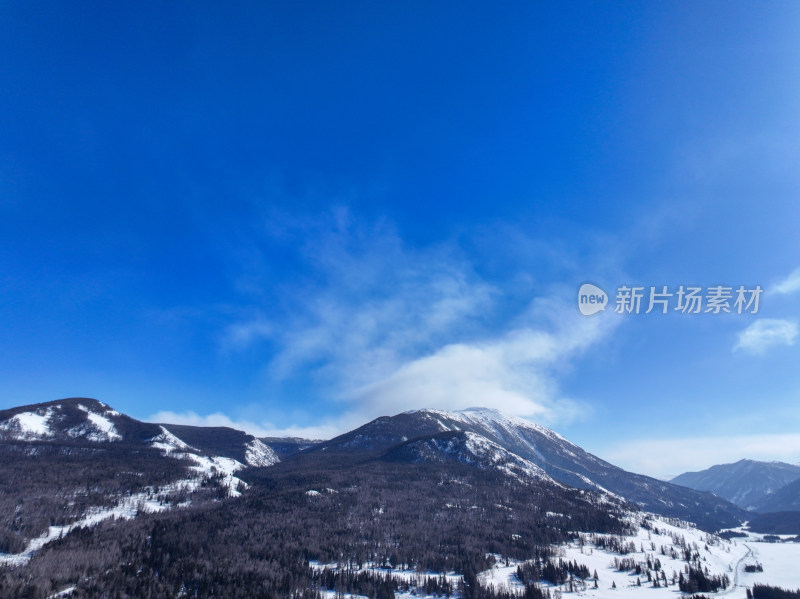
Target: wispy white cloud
382 328
790 284
371 301
765 333
516 372
325 430
664 458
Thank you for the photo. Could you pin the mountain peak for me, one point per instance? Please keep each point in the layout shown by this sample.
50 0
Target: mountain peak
498 421
485 437
482 410
66 419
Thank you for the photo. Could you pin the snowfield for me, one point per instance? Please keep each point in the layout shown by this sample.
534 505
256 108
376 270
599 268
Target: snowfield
779 560
504 426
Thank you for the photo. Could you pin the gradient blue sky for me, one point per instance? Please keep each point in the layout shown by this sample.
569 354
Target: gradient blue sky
296 216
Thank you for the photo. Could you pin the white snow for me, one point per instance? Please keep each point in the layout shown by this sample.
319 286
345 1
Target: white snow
779 560
718 555
503 459
259 454
127 508
29 425
168 443
150 500
503 577
219 466
404 574
501 424
205 465
104 429
34 425
42 424
107 410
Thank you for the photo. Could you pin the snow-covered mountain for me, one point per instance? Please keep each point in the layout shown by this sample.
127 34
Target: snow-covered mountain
479 437
480 483
76 462
66 420
226 442
747 483
541 447
80 420
466 448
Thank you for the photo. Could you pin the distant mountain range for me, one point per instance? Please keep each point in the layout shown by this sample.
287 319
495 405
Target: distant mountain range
752 485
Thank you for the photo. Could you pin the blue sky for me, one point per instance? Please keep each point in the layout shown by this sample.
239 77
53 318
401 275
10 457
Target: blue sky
294 217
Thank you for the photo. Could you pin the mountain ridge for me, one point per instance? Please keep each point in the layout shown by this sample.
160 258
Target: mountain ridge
483 438
75 420
750 484
560 459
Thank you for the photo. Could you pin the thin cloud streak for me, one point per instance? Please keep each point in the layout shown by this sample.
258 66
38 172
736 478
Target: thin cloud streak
765 333
325 430
372 304
382 328
790 284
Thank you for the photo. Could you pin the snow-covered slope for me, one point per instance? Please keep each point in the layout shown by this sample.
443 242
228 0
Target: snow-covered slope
78 420
658 549
467 448
68 419
126 466
26 426
259 454
226 442
214 466
560 459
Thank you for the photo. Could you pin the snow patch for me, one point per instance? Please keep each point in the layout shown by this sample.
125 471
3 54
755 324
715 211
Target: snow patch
208 466
146 501
103 428
258 454
27 426
169 443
